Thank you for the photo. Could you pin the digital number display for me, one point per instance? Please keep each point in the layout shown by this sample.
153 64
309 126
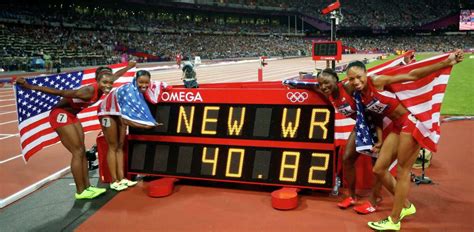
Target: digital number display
325 49
328 50
254 122
296 167
287 142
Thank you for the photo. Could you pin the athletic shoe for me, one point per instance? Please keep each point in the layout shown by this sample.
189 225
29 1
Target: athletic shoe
128 183
95 189
117 186
407 211
385 224
346 203
365 208
86 194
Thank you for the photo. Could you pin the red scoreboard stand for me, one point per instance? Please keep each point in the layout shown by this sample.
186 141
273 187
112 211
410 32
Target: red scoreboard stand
246 133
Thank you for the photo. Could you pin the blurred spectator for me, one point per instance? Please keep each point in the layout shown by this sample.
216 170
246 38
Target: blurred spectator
81 35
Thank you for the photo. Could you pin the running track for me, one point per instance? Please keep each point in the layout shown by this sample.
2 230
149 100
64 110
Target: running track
19 178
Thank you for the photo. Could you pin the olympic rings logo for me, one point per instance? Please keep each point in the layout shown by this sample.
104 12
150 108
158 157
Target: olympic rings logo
297 96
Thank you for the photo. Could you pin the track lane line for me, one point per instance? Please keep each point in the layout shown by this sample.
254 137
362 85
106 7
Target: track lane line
8 112
10 159
7 105
3 123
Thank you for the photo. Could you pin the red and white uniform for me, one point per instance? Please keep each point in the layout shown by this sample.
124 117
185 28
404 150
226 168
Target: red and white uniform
59 117
179 57
345 103
77 103
385 102
379 101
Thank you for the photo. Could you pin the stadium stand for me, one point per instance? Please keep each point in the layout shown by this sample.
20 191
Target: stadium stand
94 33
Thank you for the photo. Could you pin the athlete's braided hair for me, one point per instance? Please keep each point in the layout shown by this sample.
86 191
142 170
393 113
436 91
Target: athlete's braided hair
330 72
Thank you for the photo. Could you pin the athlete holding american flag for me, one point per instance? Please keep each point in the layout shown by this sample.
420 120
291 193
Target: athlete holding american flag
411 97
126 106
339 94
64 121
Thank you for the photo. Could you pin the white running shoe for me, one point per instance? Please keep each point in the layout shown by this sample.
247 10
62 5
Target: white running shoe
117 186
127 182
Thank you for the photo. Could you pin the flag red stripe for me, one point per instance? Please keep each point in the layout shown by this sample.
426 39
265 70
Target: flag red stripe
90 119
35 136
92 127
426 116
422 98
342 129
40 146
33 125
424 141
89 71
419 83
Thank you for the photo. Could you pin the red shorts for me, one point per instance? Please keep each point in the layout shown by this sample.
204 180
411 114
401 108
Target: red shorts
406 123
59 117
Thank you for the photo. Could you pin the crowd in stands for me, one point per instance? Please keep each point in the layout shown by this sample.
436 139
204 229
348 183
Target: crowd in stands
81 47
444 43
135 20
80 36
368 13
384 14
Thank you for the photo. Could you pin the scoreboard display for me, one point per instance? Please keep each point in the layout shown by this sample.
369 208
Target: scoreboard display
327 50
466 20
268 136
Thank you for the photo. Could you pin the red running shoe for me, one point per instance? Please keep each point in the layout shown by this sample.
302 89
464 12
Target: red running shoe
365 208
346 203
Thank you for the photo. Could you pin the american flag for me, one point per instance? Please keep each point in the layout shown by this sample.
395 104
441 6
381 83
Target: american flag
365 129
343 124
423 99
130 104
33 107
133 106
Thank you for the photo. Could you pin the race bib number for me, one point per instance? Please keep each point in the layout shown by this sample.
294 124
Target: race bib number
376 106
106 122
345 109
62 118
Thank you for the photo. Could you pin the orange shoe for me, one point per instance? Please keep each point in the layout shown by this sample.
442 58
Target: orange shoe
346 203
365 208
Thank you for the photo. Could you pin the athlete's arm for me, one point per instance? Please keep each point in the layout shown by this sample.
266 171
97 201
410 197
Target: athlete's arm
120 72
419 73
137 125
84 93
